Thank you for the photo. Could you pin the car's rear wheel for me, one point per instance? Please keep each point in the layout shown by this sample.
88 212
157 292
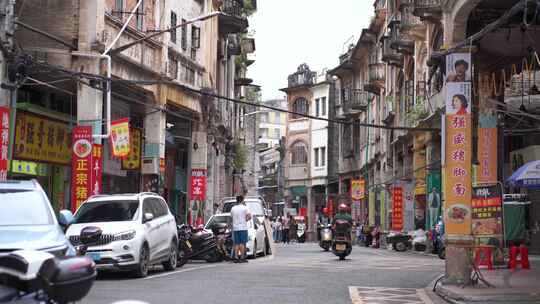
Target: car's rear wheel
172 262
144 261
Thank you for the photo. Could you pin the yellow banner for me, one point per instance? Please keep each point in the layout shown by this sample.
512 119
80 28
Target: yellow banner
358 189
133 160
120 137
458 180
41 139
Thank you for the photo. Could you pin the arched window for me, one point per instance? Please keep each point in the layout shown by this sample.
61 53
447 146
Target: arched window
300 105
298 153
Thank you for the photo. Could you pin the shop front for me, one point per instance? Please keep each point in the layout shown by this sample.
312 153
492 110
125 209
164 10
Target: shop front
41 151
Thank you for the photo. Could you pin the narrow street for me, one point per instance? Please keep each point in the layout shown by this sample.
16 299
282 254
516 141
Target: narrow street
298 273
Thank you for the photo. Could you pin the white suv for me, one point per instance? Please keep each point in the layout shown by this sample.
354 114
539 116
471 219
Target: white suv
138 231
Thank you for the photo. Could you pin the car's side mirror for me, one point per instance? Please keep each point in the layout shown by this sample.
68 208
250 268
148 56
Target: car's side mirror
148 217
65 218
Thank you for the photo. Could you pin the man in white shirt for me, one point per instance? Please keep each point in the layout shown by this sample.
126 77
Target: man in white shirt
240 216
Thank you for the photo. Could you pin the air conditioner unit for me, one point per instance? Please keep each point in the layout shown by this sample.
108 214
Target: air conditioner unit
150 165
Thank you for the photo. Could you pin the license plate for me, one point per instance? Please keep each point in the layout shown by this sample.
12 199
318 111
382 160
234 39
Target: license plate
340 247
188 243
96 256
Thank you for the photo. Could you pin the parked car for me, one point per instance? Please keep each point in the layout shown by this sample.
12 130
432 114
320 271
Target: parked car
27 220
257 241
138 231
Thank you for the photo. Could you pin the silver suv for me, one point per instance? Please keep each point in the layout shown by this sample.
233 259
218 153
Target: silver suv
138 230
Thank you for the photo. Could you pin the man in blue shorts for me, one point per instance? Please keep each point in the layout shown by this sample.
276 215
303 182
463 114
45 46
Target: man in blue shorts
240 216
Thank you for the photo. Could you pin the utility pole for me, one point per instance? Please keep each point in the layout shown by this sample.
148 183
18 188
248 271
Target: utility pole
7 33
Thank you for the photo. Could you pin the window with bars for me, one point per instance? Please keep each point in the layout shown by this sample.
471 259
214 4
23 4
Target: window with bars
173 27
195 37
323 156
184 35
323 106
140 16
173 68
317 106
316 154
189 76
299 153
118 8
300 106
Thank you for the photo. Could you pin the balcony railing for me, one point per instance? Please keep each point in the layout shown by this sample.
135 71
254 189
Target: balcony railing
234 19
390 55
408 20
376 78
354 100
400 42
428 9
232 7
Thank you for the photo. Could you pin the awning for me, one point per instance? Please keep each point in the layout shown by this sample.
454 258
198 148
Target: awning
298 190
527 176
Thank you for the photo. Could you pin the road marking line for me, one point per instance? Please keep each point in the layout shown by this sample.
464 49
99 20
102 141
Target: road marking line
423 296
355 296
178 271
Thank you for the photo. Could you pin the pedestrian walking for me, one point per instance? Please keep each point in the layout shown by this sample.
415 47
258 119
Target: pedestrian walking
280 230
286 222
359 234
240 215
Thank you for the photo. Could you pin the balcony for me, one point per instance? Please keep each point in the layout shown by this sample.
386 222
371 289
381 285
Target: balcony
428 9
368 37
376 78
399 42
411 26
354 101
233 19
390 55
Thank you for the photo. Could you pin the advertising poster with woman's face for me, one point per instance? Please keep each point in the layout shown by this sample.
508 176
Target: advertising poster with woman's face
458 98
458 67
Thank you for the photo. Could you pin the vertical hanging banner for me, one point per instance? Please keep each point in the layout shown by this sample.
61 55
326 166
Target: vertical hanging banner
4 142
358 189
458 146
97 171
371 206
81 166
487 149
397 208
133 159
120 137
197 197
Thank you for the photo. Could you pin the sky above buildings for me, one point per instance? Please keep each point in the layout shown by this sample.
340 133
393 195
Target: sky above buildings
291 32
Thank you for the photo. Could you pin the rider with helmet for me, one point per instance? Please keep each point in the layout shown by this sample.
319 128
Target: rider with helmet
344 213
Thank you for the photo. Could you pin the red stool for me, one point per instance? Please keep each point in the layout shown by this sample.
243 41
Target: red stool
483 256
519 255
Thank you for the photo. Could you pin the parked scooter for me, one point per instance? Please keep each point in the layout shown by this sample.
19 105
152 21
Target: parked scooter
342 245
224 240
419 240
196 244
400 242
28 276
325 236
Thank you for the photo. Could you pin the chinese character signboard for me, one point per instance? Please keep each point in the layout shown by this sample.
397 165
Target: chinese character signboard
487 211
458 151
397 208
197 196
41 139
81 170
4 142
487 149
97 171
133 160
358 188
120 137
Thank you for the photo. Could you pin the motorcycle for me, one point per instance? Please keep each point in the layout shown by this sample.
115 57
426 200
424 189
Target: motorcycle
224 240
325 236
342 245
28 276
196 244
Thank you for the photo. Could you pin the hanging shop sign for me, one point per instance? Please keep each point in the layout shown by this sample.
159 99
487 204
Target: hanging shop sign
397 208
81 176
4 142
97 169
358 189
41 139
487 210
133 160
120 137
197 196
487 149
458 148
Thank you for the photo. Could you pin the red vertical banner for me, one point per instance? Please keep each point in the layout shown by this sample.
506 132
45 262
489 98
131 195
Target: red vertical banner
4 142
397 208
197 196
81 166
97 170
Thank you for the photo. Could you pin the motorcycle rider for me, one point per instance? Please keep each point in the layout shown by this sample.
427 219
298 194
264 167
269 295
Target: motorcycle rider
344 213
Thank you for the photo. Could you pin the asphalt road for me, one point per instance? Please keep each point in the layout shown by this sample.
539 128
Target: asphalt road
297 273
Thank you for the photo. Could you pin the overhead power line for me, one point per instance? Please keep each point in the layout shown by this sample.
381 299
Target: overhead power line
78 75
